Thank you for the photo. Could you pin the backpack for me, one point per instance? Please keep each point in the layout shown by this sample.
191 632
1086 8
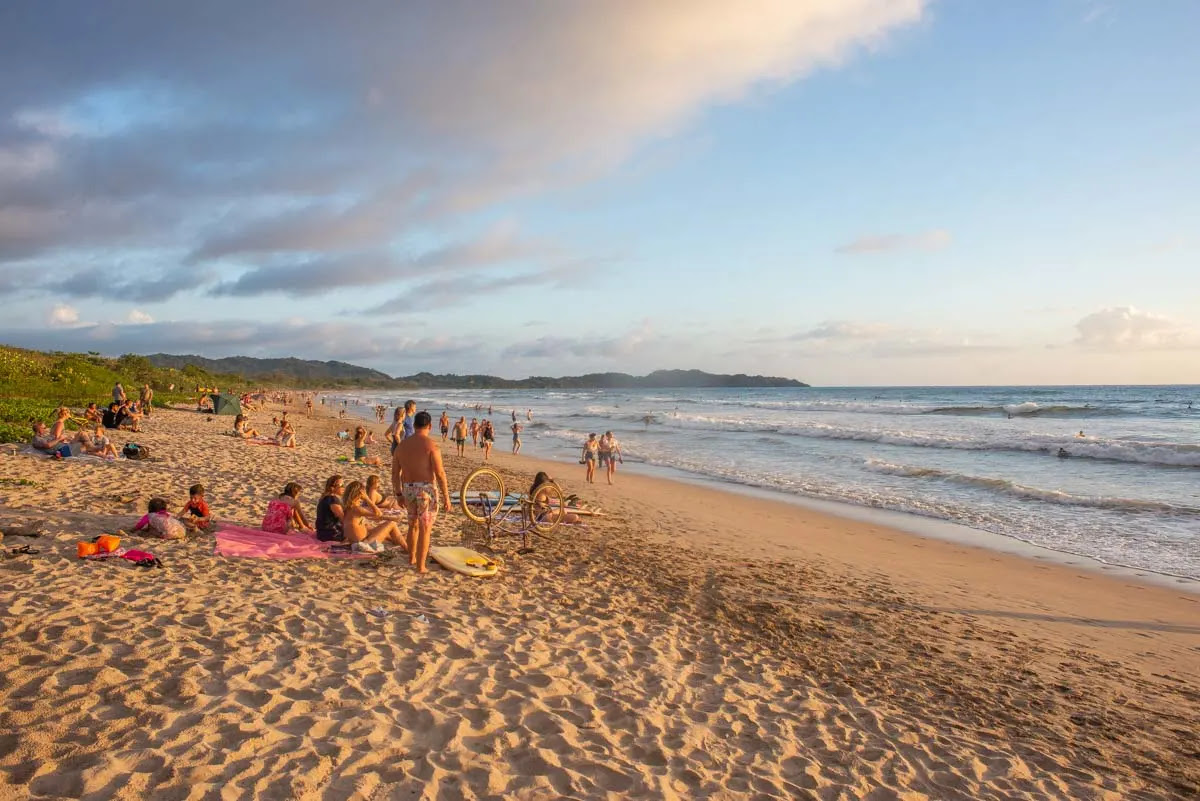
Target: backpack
134 451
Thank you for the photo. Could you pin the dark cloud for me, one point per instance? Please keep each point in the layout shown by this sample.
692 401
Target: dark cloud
115 284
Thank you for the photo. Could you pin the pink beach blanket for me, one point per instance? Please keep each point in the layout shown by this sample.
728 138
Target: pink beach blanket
258 544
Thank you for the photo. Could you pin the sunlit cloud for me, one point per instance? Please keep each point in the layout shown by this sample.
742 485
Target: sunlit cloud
1127 328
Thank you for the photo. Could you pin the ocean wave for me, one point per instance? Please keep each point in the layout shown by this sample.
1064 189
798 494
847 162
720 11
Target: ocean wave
1014 489
1167 454
1024 409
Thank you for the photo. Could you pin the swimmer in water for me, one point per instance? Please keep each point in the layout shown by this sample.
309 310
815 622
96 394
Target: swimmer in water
1080 435
1062 453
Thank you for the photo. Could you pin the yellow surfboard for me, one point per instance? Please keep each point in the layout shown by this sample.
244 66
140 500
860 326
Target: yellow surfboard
464 560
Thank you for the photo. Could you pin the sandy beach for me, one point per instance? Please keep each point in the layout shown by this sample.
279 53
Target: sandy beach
690 643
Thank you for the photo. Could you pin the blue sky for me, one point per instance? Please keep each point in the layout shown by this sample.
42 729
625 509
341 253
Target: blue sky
841 191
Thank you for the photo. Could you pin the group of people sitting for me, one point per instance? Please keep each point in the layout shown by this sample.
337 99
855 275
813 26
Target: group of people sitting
352 513
90 437
285 436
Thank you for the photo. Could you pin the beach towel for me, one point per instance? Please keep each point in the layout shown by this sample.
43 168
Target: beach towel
255 543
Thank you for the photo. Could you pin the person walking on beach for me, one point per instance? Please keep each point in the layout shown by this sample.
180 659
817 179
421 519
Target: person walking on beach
460 436
529 415
488 436
591 453
445 425
474 433
417 476
308 407
516 429
610 454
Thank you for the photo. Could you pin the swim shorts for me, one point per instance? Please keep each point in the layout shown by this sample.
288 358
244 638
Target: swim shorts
360 454
421 499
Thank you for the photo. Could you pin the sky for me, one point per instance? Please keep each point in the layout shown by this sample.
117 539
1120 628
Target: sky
847 192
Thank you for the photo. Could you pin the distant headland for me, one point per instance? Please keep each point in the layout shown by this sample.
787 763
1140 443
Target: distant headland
334 373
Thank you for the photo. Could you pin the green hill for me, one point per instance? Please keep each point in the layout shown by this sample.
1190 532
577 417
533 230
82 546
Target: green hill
295 371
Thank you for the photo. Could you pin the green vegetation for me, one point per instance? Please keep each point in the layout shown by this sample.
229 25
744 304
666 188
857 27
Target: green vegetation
33 384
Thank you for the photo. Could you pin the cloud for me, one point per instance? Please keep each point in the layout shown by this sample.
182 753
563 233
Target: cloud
1127 328
63 314
498 246
936 239
138 317
881 340
398 117
611 348
118 282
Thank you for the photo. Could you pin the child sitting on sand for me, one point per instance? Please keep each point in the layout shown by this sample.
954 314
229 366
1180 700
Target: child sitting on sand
284 514
157 522
98 444
195 513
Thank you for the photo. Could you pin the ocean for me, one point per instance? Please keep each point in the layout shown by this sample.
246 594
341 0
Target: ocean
1125 489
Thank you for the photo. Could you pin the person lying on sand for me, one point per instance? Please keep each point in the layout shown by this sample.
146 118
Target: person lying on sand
284 514
356 508
541 509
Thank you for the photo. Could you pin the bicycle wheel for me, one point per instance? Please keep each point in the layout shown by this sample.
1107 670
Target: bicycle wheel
549 508
482 494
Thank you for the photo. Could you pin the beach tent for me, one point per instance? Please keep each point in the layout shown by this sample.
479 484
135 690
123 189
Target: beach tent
226 404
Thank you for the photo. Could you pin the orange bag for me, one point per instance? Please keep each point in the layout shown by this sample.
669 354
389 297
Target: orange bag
87 549
108 543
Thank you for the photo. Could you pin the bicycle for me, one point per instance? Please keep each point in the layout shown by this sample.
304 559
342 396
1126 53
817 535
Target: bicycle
483 500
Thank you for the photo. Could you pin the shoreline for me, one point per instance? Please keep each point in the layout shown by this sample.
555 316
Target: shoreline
910 523
1059 593
658 651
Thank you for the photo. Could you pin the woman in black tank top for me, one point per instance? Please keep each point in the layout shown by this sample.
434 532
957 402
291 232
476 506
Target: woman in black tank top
329 511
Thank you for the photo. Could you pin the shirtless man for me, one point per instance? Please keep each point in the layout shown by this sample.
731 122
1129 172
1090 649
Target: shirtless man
445 424
460 436
416 465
